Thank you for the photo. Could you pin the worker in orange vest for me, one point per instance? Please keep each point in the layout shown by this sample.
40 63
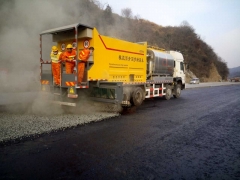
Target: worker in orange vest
56 57
68 57
83 57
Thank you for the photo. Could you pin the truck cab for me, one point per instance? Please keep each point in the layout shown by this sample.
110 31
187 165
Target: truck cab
179 68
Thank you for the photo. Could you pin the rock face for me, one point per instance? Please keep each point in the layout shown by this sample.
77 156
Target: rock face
213 75
189 76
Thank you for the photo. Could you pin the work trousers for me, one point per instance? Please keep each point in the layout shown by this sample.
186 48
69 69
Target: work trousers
69 67
81 68
56 72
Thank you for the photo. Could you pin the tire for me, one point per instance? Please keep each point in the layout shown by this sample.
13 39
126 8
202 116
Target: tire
168 93
137 96
177 91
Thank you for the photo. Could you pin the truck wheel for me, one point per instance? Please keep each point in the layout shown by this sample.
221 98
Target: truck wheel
177 91
168 93
137 96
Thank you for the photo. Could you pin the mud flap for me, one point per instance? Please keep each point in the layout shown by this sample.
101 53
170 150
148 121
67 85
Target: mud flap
108 92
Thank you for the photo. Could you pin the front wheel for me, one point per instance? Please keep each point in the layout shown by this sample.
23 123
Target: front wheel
177 91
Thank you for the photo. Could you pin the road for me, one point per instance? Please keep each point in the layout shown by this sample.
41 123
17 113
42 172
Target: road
28 97
211 84
194 137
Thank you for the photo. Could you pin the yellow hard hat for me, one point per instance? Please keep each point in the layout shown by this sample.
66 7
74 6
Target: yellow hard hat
69 46
54 48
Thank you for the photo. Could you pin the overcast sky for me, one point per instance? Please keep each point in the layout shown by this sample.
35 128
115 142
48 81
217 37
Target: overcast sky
216 21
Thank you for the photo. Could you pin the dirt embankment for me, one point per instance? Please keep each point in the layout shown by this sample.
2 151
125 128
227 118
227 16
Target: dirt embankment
213 75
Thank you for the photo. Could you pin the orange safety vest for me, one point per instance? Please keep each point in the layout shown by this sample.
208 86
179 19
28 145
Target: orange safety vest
84 54
70 56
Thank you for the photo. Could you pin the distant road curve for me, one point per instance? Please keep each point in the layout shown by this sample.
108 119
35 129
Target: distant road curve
211 84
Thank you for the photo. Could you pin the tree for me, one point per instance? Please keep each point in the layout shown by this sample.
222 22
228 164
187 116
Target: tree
108 15
127 13
222 68
98 3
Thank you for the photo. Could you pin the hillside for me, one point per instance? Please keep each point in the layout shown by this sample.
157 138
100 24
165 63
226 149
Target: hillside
27 20
199 56
234 72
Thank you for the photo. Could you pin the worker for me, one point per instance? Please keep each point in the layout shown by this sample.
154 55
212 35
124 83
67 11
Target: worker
56 57
83 57
68 57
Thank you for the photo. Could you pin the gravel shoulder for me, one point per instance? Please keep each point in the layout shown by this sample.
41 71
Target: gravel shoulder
20 126
30 114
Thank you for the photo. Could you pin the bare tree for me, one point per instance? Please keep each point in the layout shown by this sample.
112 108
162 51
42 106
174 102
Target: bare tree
99 4
127 13
137 17
108 15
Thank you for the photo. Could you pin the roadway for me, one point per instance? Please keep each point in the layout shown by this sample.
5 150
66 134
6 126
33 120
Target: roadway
193 137
211 84
7 98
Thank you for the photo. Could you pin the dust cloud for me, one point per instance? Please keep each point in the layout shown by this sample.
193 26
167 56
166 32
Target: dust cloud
21 23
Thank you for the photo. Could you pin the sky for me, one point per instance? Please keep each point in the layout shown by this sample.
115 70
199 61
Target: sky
217 22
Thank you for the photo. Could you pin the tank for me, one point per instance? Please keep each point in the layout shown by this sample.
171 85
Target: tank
159 63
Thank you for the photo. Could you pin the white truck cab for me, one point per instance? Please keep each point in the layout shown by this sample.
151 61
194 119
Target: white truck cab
179 70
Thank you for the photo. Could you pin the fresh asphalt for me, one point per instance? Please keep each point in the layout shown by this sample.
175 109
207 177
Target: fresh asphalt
193 137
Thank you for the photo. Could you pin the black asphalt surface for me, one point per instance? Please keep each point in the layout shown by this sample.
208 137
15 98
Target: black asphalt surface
194 137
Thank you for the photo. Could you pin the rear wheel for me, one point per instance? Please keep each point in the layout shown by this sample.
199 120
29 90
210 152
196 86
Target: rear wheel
168 92
137 96
177 91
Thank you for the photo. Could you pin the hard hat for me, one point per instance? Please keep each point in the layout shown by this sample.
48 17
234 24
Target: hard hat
54 48
69 46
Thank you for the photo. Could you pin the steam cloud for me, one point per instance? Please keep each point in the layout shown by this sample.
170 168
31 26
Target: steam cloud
21 23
